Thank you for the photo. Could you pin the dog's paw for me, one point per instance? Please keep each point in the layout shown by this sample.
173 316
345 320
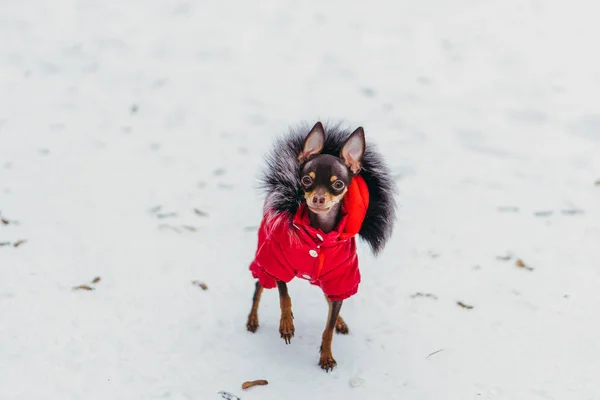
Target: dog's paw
286 329
341 327
252 324
327 362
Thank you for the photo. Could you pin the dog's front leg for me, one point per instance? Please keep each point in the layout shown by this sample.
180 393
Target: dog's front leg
340 325
252 324
327 362
286 323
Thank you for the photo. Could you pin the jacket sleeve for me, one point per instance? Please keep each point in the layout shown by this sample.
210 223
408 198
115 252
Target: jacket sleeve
270 263
342 282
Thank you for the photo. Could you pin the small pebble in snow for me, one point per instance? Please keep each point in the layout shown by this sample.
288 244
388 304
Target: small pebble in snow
19 242
201 285
433 254
356 382
155 209
166 215
572 212
368 92
598 182
420 294
200 213
228 396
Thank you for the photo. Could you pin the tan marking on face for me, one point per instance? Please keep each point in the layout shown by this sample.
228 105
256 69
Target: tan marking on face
335 198
333 178
309 195
330 199
312 175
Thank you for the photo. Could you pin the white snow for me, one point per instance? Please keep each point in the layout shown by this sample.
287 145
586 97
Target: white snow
487 112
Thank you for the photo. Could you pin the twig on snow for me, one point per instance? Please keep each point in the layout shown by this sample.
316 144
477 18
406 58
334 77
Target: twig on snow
435 352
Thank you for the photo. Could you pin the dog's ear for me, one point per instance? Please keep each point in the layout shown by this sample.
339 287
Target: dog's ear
354 150
313 144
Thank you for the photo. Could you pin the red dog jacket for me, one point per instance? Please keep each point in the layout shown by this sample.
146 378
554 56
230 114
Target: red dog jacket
327 260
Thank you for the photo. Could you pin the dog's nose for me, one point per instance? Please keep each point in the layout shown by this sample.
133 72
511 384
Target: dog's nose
319 200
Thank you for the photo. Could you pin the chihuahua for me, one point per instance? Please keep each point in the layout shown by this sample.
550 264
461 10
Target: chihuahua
319 245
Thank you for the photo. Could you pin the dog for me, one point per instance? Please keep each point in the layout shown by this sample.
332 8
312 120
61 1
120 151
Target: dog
323 190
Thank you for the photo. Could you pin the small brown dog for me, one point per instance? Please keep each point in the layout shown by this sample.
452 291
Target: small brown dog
322 192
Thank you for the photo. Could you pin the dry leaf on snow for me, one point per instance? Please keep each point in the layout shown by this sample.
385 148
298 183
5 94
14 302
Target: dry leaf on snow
463 305
521 264
83 287
249 384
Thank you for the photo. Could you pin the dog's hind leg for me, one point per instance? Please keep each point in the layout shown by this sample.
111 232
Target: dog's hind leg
340 325
252 324
286 323
327 361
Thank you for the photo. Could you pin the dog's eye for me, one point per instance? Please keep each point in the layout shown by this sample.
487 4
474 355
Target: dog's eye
306 180
338 185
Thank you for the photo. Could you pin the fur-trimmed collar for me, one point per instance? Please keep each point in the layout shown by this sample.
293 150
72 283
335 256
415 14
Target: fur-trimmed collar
280 181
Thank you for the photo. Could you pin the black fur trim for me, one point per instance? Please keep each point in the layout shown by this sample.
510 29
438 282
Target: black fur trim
280 181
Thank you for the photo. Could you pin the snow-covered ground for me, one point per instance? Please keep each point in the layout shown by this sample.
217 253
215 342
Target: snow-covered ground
118 119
